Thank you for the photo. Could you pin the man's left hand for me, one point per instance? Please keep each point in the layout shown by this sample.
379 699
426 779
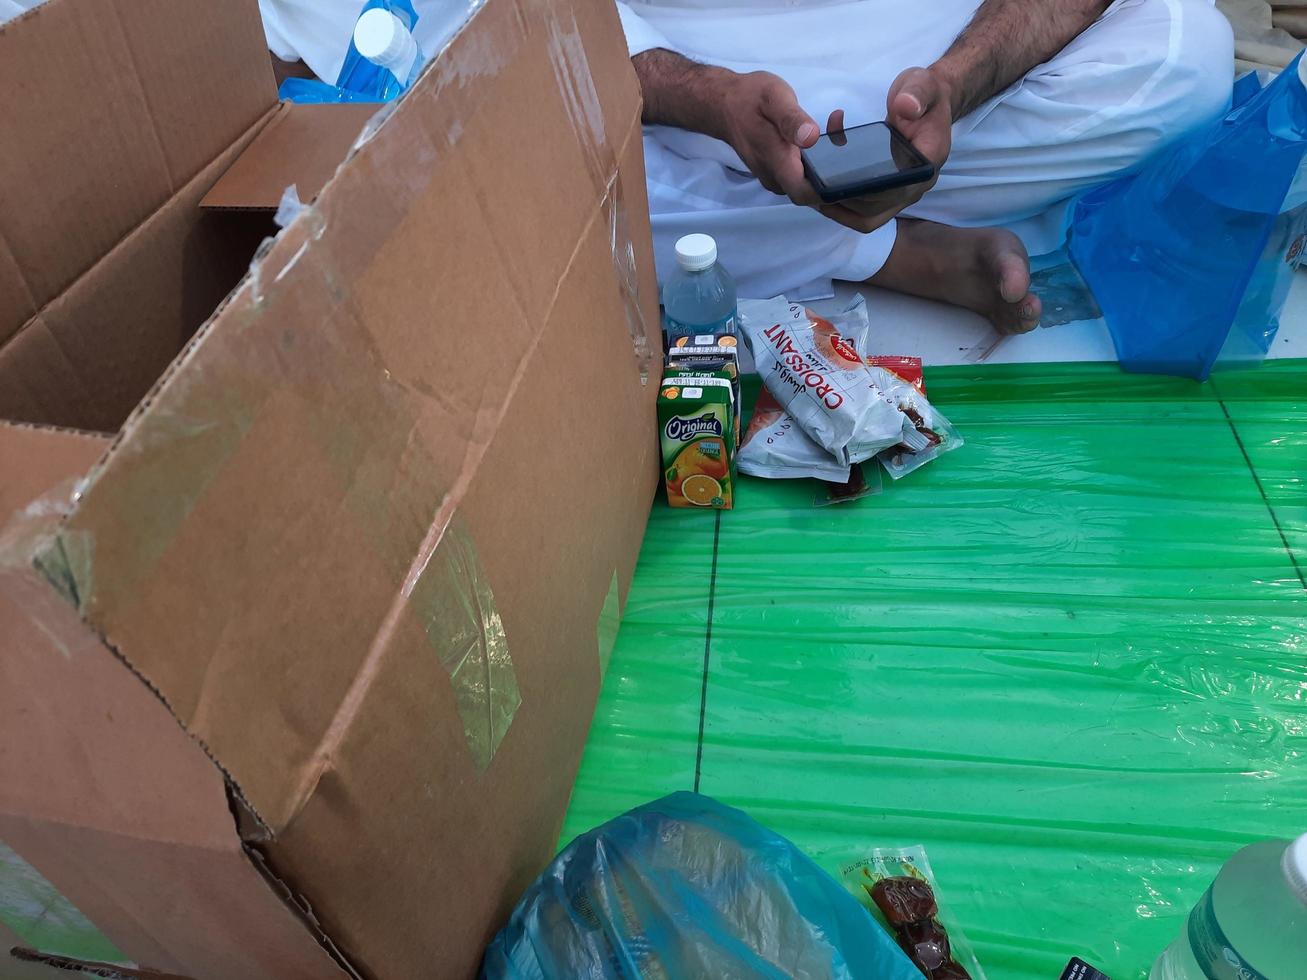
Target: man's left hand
920 107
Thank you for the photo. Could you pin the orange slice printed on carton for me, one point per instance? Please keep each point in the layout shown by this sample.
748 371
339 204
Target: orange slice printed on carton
672 392
701 490
693 459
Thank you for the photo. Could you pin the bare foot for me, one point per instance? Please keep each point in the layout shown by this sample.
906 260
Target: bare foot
985 270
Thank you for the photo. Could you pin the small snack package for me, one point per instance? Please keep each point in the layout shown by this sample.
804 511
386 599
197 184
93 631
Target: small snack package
901 380
697 422
857 486
898 888
814 367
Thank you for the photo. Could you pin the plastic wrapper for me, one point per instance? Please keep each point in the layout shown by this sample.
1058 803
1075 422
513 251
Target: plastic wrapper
814 368
859 484
897 886
687 887
776 448
903 384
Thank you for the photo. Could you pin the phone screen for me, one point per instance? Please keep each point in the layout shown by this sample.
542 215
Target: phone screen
860 155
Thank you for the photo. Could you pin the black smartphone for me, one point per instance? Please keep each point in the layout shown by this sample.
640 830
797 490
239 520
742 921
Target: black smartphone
862 160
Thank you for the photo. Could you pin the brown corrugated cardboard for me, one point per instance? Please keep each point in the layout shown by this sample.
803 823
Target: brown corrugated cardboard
87 358
37 460
107 136
123 814
316 638
301 146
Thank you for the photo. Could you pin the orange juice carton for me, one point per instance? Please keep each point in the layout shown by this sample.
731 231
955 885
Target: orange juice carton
710 352
705 347
697 421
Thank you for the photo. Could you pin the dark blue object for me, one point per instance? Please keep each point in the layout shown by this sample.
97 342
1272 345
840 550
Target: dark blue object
1192 258
359 79
687 887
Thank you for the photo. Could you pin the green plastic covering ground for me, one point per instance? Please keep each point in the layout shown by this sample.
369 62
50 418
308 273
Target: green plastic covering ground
1068 658
43 919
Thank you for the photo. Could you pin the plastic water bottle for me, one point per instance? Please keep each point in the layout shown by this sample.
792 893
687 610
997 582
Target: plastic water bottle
387 42
699 298
1251 924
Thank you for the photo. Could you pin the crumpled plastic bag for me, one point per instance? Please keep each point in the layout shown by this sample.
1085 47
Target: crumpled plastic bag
686 887
1192 258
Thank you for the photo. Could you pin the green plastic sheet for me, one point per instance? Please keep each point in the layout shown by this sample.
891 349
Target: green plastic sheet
1069 659
43 919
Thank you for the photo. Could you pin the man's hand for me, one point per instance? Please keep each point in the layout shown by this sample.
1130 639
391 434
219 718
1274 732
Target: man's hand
757 114
919 106
764 124
1003 41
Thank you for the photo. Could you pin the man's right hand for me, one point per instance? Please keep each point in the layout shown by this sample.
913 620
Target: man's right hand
764 123
758 114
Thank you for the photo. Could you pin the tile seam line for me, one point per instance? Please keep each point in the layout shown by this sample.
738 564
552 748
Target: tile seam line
707 650
1261 490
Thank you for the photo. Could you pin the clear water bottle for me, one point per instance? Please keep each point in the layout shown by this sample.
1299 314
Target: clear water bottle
1251 924
699 298
386 41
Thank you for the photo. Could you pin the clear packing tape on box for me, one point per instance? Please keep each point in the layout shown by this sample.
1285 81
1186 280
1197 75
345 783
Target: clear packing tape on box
382 468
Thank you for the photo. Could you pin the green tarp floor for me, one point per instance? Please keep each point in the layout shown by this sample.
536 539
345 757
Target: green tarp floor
1069 658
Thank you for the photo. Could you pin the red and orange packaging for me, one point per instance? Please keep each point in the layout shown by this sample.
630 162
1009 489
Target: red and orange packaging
774 447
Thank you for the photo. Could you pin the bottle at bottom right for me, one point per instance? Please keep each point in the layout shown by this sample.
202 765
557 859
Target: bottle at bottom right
1251 924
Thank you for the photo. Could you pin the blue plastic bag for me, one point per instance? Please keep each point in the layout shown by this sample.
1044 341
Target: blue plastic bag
359 79
687 887
1191 259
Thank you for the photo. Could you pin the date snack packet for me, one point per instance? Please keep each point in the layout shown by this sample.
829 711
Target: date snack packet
897 887
815 369
901 380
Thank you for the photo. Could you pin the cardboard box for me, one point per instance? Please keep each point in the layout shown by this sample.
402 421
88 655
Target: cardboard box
304 605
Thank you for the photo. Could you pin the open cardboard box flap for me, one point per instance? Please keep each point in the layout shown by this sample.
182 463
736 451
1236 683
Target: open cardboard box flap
301 145
360 538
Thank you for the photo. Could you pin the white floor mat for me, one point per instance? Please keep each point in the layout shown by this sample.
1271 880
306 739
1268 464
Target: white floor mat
940 334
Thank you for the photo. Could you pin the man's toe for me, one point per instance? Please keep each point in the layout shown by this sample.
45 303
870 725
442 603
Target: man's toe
1013 277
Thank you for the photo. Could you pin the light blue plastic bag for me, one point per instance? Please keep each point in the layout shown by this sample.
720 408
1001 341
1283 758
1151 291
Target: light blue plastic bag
687 887
1191 259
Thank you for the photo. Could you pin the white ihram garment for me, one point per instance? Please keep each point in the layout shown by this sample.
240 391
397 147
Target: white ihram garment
1147 71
